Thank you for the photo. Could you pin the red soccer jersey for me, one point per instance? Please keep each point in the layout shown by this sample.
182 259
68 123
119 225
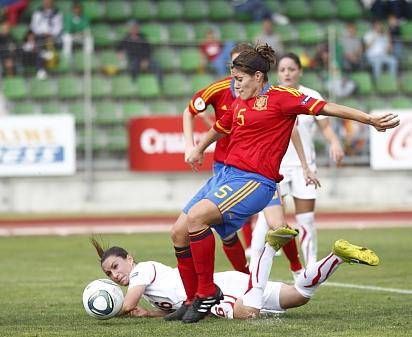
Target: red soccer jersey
220 95
260 129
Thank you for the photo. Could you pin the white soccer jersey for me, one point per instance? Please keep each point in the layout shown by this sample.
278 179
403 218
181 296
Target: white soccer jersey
164 288
305 125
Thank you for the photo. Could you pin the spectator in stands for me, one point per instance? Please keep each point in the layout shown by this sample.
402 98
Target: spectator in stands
76 26
47 22
12 9
211 48
321 56
269 36
257 10
138 52
395 34
32 55
352 49
8 46
379 50
380 9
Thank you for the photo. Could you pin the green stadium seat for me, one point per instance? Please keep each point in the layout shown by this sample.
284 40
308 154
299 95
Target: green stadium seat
154 32
65 6
349 9
162 108
406 82
19 31
51 108
14 88
401 103
31 7
93 10
144 10
167 58
201 28
288 33
123 87
78 61
104 35
375 103
362 27
77 109
117 140
323 9
108 58
352 103
69 87
100 87
195 10
169 10
232 32
275 6
313 81
180 33
24 108
252 30
133 109
63 66
190 59
364 84
406 31
297 10
42 89
220 10
200 81
387 84
310 33
148 86
117 10
107 113
175 85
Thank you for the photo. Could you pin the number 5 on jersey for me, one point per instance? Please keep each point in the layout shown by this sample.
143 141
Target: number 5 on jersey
223 191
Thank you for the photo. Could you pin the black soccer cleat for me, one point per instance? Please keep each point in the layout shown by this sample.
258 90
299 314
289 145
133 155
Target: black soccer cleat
178 314
201 307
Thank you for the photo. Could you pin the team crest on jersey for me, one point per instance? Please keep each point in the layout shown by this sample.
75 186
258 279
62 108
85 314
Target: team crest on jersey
261 103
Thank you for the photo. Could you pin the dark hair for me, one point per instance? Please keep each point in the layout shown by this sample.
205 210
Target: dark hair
292 56
240 47
256 59
105 253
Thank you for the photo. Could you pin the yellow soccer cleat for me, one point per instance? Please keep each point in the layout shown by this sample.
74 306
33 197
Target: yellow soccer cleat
277 238
354 254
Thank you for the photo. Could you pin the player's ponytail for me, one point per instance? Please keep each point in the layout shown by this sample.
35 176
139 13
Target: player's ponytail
260 58
105 253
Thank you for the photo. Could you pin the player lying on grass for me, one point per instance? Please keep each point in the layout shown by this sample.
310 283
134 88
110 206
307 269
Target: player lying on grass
162 287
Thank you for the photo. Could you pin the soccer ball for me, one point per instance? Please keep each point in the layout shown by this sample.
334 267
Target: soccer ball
102 299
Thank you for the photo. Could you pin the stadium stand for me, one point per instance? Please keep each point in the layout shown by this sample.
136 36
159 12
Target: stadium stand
174 28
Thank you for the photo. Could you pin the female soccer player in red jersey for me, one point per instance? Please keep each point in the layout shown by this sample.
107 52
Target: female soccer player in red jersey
260 123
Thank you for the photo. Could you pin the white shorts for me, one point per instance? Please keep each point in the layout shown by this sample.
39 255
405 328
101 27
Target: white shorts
294 183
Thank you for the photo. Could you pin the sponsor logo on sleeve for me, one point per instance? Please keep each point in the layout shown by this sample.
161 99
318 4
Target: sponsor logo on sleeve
305 100
200 104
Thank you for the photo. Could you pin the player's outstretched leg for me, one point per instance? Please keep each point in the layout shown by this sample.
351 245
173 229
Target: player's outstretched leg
355 254
201 307
279 237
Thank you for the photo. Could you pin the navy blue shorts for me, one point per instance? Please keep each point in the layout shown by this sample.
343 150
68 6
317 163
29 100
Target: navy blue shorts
238 195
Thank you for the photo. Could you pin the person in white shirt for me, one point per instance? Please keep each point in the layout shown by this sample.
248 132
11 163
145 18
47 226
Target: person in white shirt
162 287
289 72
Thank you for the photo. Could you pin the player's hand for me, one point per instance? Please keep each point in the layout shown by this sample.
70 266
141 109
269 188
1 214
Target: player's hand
139 312
310 178
188 151
385 121
195 159
336 152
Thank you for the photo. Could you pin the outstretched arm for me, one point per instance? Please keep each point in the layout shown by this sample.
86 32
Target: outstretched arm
310 177
188 126
335 148
142 312
132 298
379 122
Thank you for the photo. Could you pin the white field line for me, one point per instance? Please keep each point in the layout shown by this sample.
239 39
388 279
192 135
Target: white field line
371 288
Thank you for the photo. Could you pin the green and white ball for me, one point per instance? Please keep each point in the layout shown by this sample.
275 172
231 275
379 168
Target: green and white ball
102 299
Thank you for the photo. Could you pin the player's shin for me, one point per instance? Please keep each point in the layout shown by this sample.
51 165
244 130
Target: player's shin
259 276
315 274
235 253
258 239
307 236
187 271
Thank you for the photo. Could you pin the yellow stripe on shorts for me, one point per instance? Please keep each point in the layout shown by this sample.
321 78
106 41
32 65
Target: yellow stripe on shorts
237 197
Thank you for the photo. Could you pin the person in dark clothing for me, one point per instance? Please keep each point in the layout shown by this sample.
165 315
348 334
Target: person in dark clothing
8 47
138 52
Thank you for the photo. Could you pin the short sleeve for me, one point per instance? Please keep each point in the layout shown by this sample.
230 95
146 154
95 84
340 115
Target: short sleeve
294 103
142 274
224 124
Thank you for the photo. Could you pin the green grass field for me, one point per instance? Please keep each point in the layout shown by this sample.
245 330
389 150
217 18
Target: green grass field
42 279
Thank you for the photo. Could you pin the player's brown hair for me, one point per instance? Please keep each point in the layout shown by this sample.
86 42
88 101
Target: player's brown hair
242 46
260 58
293 57
105 253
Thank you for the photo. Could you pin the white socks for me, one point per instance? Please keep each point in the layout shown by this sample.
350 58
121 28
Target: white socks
307 236
259 275
315 274
258 239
